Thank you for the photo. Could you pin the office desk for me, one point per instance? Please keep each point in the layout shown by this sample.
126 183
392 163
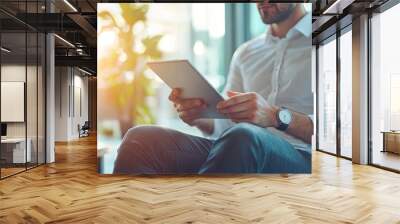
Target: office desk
391 141
13 150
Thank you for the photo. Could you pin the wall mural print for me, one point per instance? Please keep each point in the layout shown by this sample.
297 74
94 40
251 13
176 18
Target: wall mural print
201 88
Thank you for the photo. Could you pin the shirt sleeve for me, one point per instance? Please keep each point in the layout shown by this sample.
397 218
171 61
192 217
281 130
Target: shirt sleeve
234 83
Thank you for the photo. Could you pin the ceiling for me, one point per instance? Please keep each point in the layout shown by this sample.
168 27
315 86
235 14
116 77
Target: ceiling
331 15
76 22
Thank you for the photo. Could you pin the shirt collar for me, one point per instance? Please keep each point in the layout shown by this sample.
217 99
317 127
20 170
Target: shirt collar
303 26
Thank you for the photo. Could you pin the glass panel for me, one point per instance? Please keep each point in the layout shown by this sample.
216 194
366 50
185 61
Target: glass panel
385 84
346 94
22 79
208 27
327 97
13 80
31 97
41 98
32 87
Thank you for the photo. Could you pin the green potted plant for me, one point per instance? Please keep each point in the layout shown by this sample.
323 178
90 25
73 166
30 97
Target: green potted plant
125 65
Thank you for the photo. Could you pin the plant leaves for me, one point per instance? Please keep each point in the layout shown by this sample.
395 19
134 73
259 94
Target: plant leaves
151 46
133 13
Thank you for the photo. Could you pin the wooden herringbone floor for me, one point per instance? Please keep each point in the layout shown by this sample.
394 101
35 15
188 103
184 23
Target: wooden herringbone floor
70 191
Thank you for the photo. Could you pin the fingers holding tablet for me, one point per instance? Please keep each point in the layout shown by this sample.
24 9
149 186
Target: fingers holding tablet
188 109
189 104
174 95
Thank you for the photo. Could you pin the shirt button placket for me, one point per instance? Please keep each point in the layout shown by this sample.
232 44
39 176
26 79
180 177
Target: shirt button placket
282 48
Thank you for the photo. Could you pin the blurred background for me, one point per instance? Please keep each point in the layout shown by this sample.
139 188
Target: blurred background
129 35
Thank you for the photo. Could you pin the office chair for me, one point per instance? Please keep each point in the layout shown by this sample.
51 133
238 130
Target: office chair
84 130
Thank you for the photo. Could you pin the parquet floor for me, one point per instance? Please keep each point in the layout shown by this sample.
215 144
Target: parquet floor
9 171
71 191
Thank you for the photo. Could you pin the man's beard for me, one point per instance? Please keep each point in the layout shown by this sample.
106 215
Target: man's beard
279 16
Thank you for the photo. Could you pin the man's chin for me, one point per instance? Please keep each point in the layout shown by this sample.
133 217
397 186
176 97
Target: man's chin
269 21
275 19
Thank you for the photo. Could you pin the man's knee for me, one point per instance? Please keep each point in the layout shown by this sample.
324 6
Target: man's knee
240 140
143 133
136 145
242 134
237 150
141 137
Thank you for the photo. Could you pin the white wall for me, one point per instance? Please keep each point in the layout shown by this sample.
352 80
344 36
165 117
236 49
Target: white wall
12 73
61 103
79 117
16 73
70 83
33 126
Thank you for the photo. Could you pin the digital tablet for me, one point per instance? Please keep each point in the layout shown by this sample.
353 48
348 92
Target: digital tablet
181 74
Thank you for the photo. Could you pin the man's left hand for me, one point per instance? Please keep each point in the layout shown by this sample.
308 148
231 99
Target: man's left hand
248 107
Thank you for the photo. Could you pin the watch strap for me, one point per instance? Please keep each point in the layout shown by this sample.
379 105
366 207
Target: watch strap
282 126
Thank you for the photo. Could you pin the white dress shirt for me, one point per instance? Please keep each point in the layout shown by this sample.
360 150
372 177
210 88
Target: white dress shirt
279 69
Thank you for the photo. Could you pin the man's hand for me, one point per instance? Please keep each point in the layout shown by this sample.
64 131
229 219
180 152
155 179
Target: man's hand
188 109
249 107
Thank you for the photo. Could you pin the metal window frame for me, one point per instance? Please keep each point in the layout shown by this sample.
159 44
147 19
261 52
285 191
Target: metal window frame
334 37
330 38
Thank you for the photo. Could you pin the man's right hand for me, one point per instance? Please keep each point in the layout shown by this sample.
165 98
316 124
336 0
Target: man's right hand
188 109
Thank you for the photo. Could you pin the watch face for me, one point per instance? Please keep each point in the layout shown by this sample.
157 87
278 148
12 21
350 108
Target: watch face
285 116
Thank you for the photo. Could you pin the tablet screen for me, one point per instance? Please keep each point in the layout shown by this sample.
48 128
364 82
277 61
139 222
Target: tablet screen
181 74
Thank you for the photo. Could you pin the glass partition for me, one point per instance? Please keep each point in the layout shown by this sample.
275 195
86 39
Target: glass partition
22 90
385 89
327 96
41 91
14 153
31 99
346 94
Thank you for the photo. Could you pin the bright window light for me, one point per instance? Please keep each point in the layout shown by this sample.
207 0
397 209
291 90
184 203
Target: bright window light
199 48
167 43
199 16
216 20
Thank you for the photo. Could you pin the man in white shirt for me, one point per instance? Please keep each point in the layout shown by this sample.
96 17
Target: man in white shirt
270 107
